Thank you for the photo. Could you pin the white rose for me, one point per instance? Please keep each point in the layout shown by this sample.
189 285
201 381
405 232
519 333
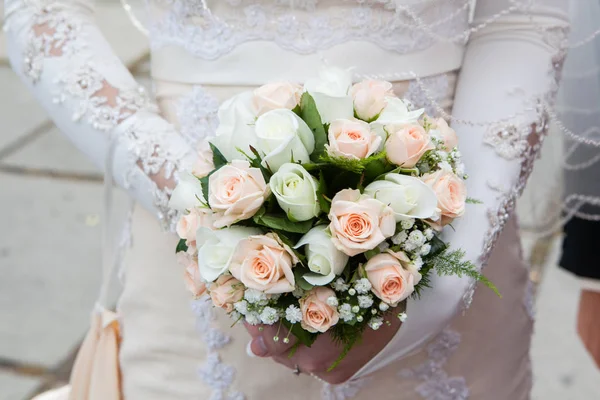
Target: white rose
330 92
296 192
215 248
236 126
283 137
396 112
409 197
277 95
186 194
324 259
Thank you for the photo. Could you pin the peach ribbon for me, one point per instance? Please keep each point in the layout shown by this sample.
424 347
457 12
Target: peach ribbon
95 374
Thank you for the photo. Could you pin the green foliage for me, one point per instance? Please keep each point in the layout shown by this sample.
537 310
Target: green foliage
219 159
310 115
324 202
299 277
471 200
452 263
181 246
281 223
304 337
204 183
437 247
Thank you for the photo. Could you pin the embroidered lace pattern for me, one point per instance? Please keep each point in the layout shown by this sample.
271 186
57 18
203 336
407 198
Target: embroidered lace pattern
437 385
197 115
294 25
217 375
343 391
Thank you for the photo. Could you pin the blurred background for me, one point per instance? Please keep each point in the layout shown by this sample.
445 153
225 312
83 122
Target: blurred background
50 204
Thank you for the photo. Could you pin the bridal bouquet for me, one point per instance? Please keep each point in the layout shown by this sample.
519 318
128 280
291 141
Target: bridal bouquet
320 207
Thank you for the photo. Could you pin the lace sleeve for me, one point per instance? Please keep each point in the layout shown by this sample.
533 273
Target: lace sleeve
56 48
504 95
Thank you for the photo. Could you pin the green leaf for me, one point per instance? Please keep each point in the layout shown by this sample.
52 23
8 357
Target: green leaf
324 202
181 246
471 200
204 183
372 253
219 159
437 247
282 223
304 337
311 116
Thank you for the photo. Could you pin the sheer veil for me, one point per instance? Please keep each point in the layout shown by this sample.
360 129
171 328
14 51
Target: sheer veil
566 181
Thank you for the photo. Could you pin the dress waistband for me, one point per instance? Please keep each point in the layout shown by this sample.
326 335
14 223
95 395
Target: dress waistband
256 63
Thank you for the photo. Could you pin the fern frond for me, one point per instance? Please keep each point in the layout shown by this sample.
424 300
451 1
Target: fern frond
452 263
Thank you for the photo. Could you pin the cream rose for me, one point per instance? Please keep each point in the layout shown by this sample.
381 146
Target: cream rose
236 192
358 222
296 192
192 279
187 226
283 137
236 126
226 291
187 193
396 112
352 139
447 134
317 315
369 98
264 263
451 193
277 95
330 92
324 260
406 144
393 277
204 163
408 196
216 247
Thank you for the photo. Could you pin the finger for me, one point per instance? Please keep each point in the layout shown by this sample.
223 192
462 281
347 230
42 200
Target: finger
277 340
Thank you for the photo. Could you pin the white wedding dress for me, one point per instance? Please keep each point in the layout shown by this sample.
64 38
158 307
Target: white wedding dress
509 55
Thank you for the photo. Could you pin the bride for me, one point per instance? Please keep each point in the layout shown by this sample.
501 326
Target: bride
492 64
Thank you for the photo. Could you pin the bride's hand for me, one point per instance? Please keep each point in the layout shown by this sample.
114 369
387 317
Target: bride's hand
323 353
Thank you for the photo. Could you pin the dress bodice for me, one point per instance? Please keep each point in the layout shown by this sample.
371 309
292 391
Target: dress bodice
214 36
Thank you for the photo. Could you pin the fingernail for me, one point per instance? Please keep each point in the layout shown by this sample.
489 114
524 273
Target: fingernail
258 347
249 350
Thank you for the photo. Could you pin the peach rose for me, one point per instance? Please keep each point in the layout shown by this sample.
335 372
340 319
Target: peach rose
277 95
225 291
204 163
236 192
448 134
407 144
188 224
393 277
451 193
369 98
359 223
192 279
264 263
317 315
352 139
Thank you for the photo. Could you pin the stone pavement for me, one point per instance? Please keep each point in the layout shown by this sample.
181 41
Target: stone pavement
50 200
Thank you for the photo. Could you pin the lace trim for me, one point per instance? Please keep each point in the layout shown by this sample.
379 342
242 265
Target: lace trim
437 385
437 91
63 32
197 115
343 391
188 24
214 372
84 83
